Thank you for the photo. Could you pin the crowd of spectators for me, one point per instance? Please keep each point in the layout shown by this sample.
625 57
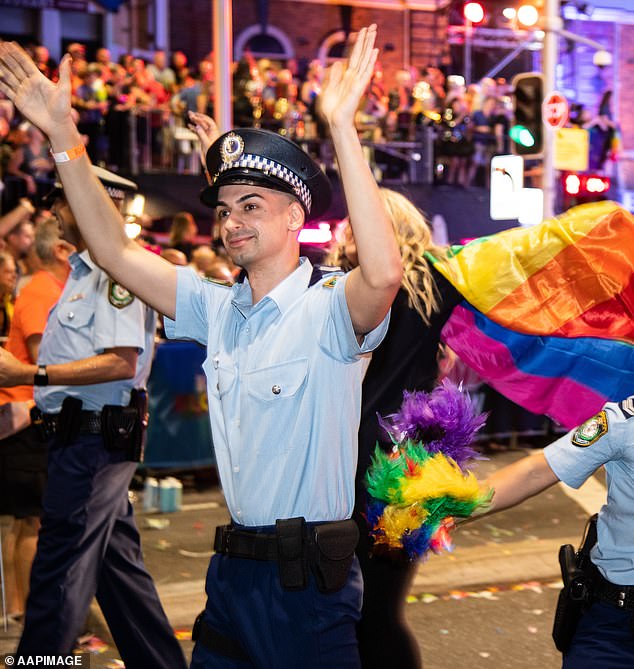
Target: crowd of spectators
129 106
135 107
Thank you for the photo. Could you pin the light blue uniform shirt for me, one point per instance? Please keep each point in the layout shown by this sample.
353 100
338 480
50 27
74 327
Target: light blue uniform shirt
573 464
84 323
284 387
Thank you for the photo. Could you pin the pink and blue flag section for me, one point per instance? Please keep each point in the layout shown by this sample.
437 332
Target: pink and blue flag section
548 311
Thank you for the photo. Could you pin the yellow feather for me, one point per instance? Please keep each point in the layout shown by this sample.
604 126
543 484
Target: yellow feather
439 476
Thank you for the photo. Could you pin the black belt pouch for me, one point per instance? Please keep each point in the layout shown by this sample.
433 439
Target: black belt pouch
291 553
69 420
122 430
333 553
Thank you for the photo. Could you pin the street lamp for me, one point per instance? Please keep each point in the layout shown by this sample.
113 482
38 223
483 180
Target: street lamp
527 16
473 13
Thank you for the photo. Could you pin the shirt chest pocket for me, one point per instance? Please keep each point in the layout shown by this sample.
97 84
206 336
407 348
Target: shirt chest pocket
75 316
221 378
278 383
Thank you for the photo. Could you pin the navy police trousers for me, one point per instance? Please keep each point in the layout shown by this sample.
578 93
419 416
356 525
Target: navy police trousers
604 639
274 627
89 545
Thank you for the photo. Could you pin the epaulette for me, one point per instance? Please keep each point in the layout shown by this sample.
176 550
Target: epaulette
322 271
218 282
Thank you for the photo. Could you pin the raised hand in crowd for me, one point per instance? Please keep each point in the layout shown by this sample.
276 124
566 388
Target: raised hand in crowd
206 129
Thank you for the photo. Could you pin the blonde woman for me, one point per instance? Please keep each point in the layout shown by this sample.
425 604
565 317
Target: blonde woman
8 281
407 359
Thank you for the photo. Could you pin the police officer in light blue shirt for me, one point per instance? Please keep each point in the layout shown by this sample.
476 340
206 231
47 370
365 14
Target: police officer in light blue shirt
285 356
268 366
605 634
95 354
84 323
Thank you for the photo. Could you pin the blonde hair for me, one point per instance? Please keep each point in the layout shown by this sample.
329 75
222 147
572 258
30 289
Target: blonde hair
181 224
413 236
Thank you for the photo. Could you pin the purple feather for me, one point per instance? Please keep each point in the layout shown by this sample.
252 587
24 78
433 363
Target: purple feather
444 420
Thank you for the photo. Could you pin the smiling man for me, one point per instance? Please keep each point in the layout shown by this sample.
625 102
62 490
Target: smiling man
284 364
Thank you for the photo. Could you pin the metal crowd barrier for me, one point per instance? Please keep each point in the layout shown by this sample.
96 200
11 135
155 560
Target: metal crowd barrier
159 142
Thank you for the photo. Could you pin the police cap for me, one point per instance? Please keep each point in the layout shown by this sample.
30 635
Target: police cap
116 186
264 158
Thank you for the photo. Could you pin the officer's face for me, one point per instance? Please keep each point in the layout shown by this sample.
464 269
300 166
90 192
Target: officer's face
257 224
67 225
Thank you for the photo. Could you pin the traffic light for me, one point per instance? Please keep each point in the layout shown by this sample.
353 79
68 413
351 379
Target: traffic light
526 132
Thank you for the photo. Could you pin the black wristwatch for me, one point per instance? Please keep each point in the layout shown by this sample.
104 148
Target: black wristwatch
41 377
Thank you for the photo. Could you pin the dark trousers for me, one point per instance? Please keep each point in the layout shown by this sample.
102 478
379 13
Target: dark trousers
604 638
278 629
385 639
89 545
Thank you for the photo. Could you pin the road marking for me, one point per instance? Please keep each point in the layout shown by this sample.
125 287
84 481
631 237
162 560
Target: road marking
200 506
591 496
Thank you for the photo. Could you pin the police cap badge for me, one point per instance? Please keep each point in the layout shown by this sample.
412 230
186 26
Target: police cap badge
264 158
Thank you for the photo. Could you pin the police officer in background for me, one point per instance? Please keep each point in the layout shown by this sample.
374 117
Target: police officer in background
284 365
94 359
605 633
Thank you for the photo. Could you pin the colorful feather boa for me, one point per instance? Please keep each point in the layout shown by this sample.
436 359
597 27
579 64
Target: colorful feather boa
424 482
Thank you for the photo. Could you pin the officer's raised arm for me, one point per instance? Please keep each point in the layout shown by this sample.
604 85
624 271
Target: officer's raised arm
371 286
48 106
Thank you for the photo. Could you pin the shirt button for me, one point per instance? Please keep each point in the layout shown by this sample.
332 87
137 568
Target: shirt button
239 514
276 390
236 469
71 315
236 422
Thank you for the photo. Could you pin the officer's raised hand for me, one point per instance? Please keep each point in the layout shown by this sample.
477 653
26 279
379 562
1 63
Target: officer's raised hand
46 104
344 85
372 285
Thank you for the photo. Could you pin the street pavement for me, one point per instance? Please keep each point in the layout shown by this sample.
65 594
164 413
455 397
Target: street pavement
487 604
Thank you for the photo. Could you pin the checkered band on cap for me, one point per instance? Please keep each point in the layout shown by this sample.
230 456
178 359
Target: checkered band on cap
269 168
115 193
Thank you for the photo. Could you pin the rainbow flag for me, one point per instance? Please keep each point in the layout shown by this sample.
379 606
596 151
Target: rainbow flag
548 313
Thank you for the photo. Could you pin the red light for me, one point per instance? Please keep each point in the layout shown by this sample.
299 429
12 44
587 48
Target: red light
586 184
596 184
474 12
572 184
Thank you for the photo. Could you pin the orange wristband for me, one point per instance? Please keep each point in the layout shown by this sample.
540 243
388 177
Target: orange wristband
71 154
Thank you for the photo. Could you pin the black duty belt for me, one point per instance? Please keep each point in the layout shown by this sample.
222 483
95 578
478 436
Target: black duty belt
621 596
327 549
251 545
90 421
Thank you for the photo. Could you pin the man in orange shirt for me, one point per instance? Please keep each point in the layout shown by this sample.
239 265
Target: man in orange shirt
23 457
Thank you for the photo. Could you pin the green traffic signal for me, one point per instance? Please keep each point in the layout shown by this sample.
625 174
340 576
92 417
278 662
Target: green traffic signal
521 135
526 130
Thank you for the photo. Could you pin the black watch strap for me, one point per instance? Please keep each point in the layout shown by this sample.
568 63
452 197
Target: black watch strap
41 377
